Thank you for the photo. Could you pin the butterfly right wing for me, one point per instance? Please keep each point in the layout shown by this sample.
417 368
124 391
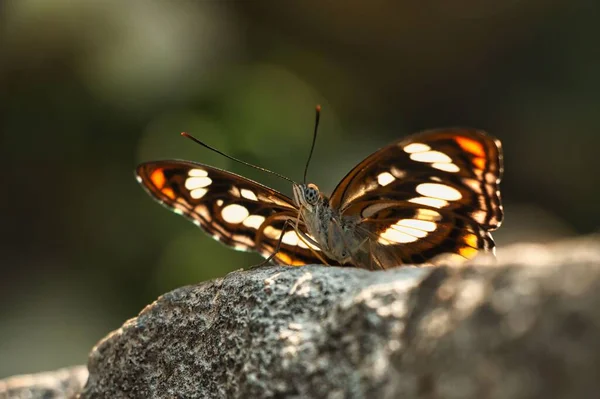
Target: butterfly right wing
427 195
236 211
460 166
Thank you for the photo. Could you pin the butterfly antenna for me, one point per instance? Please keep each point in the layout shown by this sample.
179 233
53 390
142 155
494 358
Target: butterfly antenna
314 140
189 136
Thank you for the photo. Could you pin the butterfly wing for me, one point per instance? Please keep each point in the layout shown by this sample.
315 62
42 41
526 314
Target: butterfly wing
236 211
402 234
433 193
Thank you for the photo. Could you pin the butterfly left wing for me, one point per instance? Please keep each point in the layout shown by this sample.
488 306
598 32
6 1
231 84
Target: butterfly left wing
430 194
236 211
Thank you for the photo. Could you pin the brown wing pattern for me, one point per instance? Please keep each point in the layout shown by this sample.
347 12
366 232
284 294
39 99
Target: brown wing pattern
236 211
432 193
405 235
472 164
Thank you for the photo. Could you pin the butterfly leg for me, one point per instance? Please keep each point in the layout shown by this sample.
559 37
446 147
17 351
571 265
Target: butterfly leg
358 255
277 248
380 256
370 255
373 256
307 240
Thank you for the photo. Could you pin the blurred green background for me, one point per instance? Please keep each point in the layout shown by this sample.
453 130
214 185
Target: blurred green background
88 89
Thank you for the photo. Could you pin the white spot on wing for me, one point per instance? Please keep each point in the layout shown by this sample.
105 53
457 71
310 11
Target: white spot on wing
432 202
393 236
410 230
491 178
254 221
235 191
197 173
249 194
428 214
416 147
440 191
406 231
423 225
430 157
479 216
374 208
385 178
473 185
192 183
446 167
219 202
198 193
272 233
290 238
234 213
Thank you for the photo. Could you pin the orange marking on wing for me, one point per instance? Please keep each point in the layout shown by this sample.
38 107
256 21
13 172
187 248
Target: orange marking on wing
467 252
471 146
298 263
479 162
158 178
471 240
168 192
288 260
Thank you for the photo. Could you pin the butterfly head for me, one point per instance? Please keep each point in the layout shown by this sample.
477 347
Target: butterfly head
307 195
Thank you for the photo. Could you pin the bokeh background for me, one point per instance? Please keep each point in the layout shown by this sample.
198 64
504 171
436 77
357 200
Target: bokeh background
88 89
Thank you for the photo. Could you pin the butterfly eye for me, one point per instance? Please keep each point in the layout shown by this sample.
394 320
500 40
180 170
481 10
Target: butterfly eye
311 194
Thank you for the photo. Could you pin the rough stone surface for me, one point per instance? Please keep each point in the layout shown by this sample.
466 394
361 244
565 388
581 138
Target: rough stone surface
63 383
527 327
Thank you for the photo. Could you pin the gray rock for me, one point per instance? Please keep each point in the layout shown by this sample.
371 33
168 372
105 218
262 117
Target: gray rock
527 327
524 327
63 383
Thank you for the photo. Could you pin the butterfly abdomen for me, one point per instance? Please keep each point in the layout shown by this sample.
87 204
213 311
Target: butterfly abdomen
339 234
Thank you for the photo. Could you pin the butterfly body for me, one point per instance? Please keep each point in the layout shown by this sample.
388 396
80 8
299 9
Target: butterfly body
430 196
334 232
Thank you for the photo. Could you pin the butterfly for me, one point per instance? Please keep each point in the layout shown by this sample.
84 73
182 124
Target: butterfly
431 197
